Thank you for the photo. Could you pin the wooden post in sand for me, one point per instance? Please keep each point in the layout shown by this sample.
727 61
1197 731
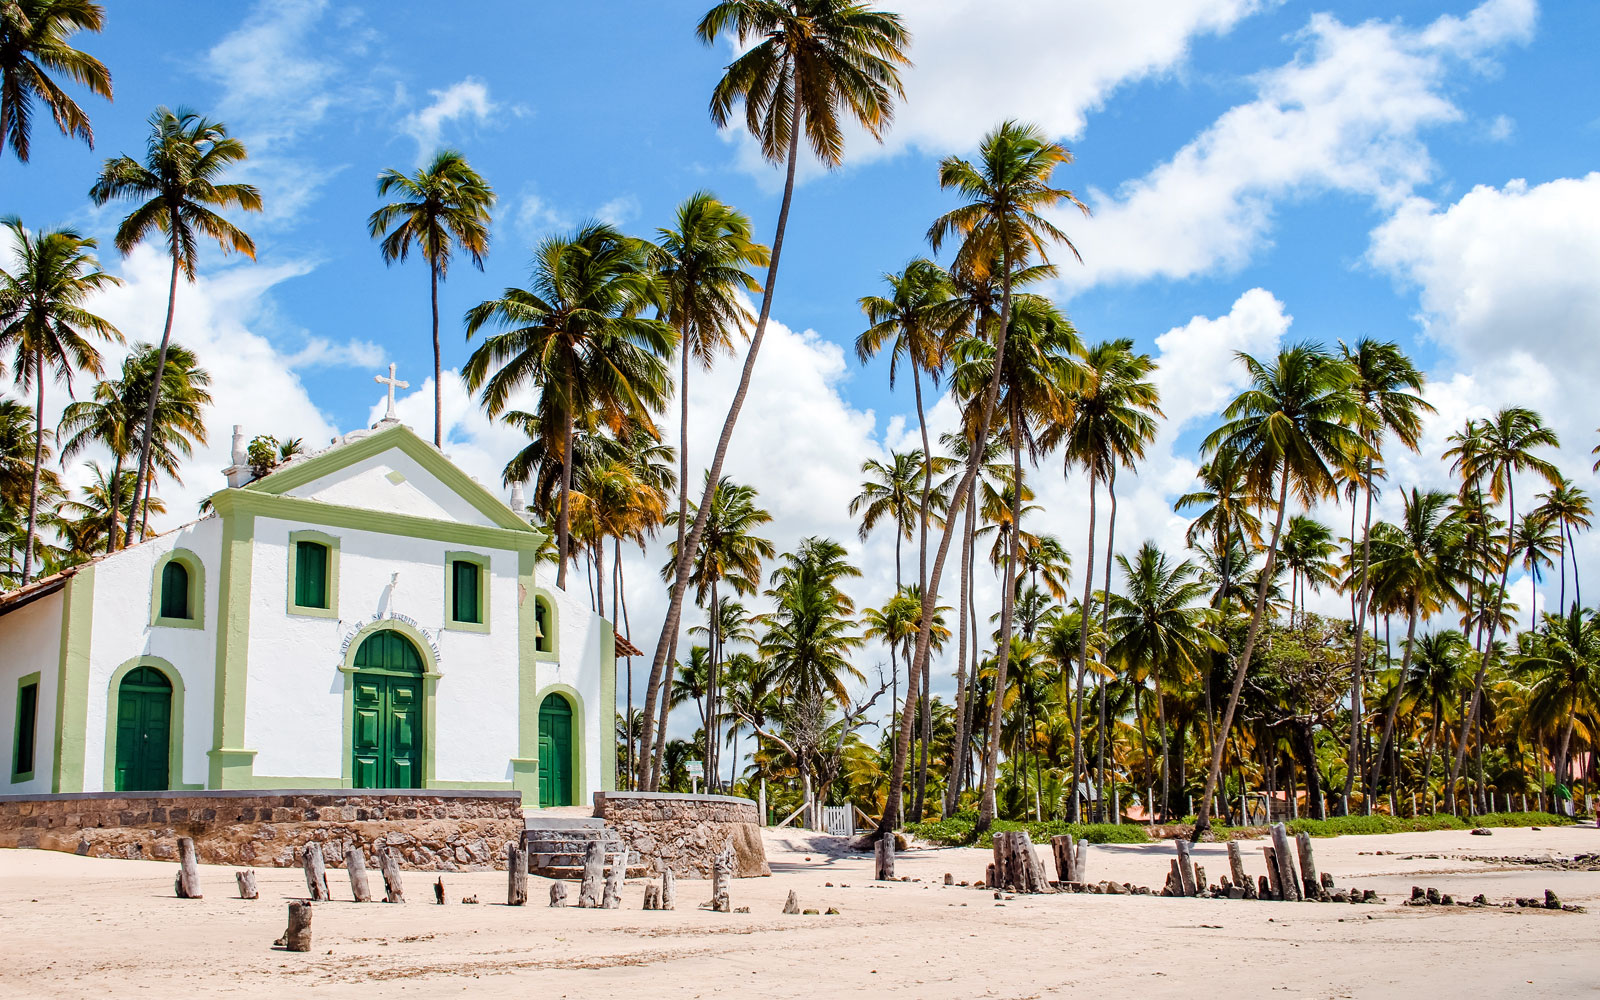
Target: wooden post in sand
356 865
516 875
1286 874
1064 851
611 898
1274 889
594 864
558 894
438 891
669 890
188 884
1016 866
316 872
389 862
1236 864
1185 867
1083 860
247 884
721 875
883 857
297 936
1308 866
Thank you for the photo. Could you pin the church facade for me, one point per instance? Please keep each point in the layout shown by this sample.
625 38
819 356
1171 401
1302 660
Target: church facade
366 617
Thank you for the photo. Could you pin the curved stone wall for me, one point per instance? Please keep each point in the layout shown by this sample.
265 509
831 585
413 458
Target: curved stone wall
683 833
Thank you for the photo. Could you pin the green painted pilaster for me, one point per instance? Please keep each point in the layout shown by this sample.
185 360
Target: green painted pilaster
525 765
608 706
72 682
232 765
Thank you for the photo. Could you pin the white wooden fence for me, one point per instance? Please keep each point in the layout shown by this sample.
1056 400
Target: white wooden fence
840 821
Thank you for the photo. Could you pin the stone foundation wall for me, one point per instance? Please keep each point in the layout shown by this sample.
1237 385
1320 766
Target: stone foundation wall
683 833
432 830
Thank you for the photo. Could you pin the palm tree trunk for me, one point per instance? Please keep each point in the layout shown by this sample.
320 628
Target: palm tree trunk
622 612
927 738
1399 691
438 392
668 641
1359 664
155 393
1471 714
114 496
38 460
1203 818
958 759
144 516
564 515
1577 585
1008 595
1105 618
712 706
1166 750
922 582
1086 615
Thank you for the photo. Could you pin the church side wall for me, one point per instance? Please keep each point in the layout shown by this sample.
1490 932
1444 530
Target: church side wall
124 585
295 712
30 642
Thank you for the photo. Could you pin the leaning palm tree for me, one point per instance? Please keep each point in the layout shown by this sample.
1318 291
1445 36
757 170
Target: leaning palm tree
1291 429
185 156
1508 446
577 335
441 207
806 66
45 326
1002 233
34 36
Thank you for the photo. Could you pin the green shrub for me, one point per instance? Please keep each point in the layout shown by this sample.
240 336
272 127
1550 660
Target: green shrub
958 830
1340 826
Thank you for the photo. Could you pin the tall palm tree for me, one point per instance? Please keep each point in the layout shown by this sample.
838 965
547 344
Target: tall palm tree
442 207
1001 233
810 632
806 66
1533 543
186 156
1421 566
1435 676
88 522
1111 422
1388 386
34 37
1565 653
577 335
1307 552
44 324
19 441
1291 430
1568 508
1507 448
889 494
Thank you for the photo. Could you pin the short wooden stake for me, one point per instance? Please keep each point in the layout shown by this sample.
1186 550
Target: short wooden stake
594 863
1064 851
356 865
652 897
1236 864
1286 873
188 884
1186 867
297 936
883 855
516 875
721 875
438 891
247 884
792 904
612 897
1082 859
1274 874
669 890
1308 866
389 863
316 872
558 894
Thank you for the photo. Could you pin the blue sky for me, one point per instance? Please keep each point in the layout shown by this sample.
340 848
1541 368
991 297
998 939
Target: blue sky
1260 172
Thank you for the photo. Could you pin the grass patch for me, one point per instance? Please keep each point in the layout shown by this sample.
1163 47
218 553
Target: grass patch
957 831
1341 826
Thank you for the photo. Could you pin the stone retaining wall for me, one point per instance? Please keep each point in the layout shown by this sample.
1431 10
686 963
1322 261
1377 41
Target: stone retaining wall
434 830
683 833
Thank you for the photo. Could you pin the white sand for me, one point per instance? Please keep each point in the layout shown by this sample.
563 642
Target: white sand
73 927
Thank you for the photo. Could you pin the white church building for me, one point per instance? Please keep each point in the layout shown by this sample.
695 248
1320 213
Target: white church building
365 617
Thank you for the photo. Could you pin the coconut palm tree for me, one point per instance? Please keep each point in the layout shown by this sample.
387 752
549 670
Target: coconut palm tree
34 37
44 325
1564 654
1568 508
577 335
1110 423
1507 448
18 442
890 494
1436 677
805 66
442 207
808 635
1307 552
1291 429
186 156
1534 542
88 522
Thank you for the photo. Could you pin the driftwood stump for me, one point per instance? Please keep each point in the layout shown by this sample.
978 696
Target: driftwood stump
1064 851
652 897
1174 880
612 898
1200 885
438 891
669 891
1286 872
316 872
1273 879
594 864
389 862
558 894
297 936
792 904
1236 864
356 865
1016 866
721 875
883 856
188 884
1263 886
516 875
1186 867
247 884
1308 866
1082 858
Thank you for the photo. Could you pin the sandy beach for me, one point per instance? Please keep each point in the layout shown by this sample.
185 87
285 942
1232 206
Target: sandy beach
84 927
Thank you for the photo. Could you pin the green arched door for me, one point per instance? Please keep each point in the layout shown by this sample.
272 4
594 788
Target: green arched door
144 731
386 727
555 751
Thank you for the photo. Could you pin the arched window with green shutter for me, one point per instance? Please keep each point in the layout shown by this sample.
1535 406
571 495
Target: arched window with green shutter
174 590
177 590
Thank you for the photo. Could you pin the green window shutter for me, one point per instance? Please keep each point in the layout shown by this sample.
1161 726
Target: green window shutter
464 597
311 575
541 615
27 729
174 590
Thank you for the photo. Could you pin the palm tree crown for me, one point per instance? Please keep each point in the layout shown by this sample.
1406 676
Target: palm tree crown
34 36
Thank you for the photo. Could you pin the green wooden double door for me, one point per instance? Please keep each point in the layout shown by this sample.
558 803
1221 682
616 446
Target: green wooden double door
386 730
144 731
555 751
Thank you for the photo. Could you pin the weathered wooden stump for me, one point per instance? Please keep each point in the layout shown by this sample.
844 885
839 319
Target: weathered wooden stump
356 865
669 891
1174 880
389 863
1200 885
1064 851
949 879
438 891
1186 867
652 897
1308 866
1082 858
721 875
516 875
1273 874
316 872
558 894
792 904
1236 864
1263 887
297 936
1286 873
612 898
247 884
594 864
883 857
1016 865
188 884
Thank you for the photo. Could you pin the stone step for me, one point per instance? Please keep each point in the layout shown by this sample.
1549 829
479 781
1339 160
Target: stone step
565 823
